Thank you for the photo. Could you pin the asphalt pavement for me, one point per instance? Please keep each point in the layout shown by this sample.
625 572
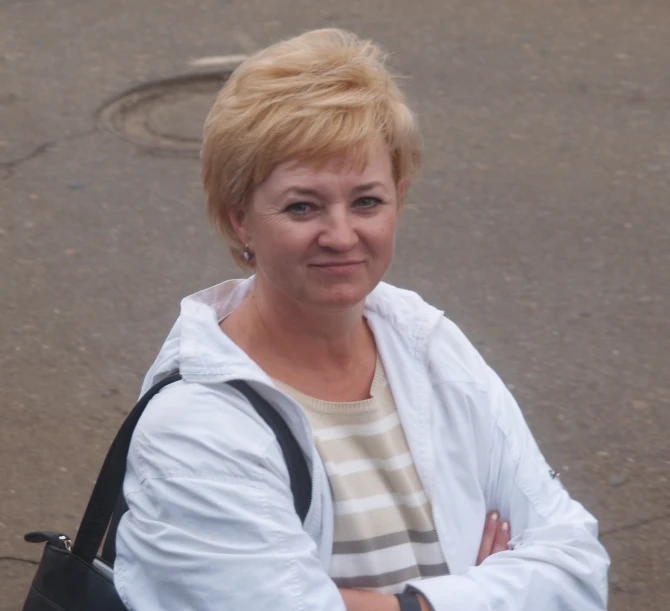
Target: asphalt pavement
540 224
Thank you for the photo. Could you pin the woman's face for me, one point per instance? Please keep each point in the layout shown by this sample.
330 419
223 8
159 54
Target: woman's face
323 237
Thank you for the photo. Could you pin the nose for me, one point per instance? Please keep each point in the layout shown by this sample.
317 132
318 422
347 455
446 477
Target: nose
339 232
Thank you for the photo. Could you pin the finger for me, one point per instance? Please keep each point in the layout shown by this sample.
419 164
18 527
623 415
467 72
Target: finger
489 536
502 538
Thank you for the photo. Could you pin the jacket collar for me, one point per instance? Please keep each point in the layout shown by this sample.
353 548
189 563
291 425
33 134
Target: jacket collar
204 354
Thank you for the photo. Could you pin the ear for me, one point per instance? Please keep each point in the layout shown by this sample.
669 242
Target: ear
239 219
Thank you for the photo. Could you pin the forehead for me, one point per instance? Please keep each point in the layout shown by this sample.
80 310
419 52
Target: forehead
342 168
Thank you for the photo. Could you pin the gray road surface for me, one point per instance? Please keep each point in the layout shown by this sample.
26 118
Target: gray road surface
540 224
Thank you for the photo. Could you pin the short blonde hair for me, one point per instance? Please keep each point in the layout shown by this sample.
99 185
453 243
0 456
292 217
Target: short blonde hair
320 94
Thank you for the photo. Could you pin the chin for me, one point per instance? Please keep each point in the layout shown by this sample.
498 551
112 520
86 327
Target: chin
341 296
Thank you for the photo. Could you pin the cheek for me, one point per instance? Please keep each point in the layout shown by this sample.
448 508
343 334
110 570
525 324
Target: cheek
382 234
284 242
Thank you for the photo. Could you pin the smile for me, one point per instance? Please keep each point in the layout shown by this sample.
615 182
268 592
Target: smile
338 268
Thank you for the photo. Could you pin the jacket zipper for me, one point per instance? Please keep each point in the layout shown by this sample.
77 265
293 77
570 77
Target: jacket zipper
432 494
439 540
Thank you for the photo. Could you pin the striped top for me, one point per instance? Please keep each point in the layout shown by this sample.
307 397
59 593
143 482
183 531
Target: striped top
384 533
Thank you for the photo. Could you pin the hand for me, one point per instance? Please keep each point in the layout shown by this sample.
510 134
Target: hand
495 538
361 600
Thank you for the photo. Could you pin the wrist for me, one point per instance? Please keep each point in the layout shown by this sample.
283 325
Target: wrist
409 601
412 600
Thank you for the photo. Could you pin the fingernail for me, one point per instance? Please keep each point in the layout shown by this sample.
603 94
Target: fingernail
494 516
505 526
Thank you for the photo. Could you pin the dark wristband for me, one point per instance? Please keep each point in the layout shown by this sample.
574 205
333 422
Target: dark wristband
409 601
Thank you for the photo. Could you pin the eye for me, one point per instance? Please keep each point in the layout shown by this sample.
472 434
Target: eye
367 203
299 208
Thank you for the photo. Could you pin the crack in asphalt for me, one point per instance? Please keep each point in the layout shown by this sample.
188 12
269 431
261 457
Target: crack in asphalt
36 152
634 525
15 559
7 167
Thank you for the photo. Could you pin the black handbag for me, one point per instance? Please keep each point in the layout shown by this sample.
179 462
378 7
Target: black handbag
72 577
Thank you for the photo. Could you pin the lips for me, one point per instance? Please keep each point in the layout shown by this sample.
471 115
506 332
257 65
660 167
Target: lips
337 267
337 264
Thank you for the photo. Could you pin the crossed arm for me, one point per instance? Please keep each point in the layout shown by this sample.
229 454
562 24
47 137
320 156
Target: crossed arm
495 538
190 523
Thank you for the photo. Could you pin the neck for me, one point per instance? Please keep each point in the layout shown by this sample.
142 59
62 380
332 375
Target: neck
306 335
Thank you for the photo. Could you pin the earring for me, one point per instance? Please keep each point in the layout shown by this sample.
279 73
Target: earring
247 254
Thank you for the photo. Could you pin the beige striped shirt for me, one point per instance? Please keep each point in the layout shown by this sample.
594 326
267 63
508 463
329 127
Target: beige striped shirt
384 532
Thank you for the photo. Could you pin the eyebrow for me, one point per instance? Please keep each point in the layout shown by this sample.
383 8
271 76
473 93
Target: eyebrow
369 185
301 191
307 192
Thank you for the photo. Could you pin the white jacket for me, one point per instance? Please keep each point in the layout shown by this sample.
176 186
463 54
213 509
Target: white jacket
211 524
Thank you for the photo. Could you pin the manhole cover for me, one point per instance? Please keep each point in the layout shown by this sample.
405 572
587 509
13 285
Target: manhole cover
165 117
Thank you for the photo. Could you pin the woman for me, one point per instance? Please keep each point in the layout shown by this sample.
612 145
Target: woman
411 439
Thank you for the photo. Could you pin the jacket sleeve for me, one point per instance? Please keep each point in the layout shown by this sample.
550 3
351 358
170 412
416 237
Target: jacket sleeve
555 561
211 523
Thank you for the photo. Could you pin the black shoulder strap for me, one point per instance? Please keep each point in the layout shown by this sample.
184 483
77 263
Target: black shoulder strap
301 481
107 504
110 480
